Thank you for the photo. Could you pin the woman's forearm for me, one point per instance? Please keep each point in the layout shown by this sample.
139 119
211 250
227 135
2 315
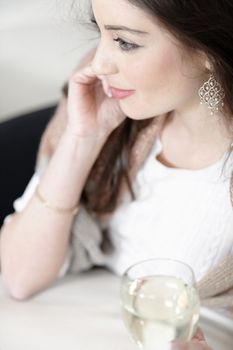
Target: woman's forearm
35 242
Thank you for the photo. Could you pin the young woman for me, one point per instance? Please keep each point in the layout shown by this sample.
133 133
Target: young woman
157 182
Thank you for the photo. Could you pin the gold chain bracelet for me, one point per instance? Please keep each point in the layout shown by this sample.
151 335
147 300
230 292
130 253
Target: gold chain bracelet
49 205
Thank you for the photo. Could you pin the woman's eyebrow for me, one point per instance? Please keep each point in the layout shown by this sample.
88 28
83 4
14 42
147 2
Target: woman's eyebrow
126 29
117 27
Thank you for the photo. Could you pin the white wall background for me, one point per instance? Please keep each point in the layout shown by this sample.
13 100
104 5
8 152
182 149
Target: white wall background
40 44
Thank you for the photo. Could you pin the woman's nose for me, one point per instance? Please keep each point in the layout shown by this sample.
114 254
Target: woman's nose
103 62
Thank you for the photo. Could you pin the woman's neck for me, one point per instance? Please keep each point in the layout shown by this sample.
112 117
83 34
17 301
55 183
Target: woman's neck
192 139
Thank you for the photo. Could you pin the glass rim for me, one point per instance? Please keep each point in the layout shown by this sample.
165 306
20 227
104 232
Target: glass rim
159 259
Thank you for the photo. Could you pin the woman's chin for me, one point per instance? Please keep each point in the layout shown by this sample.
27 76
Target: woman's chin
135 113
130 110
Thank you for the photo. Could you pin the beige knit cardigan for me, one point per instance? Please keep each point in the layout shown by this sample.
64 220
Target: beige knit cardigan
216 288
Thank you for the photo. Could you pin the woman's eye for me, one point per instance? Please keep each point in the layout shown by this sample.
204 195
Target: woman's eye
125 46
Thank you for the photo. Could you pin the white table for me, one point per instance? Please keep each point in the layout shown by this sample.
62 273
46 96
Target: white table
80 313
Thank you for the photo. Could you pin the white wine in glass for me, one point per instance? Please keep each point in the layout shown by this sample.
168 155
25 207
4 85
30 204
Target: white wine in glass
160 303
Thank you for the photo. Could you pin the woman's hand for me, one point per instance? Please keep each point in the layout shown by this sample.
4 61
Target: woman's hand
198 342
108 113
91 110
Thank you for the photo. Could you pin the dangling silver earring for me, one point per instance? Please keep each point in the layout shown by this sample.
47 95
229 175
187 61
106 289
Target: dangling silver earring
212 94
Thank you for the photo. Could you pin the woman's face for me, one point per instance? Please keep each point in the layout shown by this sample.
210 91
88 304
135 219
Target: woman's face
135 53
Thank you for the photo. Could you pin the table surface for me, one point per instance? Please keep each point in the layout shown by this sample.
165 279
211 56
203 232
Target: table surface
81 312
78 312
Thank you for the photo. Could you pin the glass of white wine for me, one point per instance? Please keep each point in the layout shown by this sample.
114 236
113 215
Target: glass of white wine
160 303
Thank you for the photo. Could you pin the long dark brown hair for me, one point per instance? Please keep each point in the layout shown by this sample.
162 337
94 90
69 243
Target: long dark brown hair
203 25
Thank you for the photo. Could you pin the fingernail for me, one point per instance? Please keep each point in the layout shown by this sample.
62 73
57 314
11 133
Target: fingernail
109 93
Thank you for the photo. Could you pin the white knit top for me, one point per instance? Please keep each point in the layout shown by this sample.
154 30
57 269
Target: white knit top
179 214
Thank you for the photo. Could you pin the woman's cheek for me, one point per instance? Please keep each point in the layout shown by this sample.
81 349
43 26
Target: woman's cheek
156 70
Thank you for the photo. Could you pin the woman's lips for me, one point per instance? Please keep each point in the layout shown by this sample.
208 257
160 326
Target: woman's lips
120 94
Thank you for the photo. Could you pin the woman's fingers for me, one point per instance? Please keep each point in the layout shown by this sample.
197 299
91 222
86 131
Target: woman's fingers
198 342
81 90
105 86
84 76
190 346
91 110
82 82
199 335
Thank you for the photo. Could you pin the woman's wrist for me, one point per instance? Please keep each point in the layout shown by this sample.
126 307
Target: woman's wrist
97 138
51 206
68 169
87 148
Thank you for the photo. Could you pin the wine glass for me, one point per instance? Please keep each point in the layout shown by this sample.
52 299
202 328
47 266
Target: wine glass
160 302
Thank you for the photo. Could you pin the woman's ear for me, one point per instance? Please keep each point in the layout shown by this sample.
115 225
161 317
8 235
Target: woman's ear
205 61
208 65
